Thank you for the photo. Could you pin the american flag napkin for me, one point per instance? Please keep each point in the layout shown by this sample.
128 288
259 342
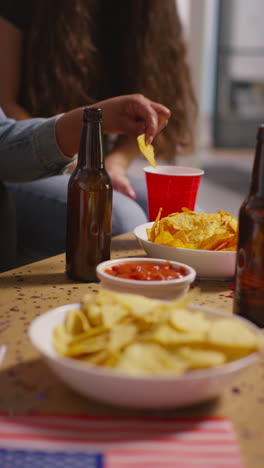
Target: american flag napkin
58 441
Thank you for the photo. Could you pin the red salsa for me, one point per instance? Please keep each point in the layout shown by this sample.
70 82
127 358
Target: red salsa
143 271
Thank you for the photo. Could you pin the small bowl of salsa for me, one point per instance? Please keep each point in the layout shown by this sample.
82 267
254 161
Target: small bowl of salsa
150 277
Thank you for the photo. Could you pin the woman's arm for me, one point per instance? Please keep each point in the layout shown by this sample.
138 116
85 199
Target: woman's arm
11 39
29 149
131 115
35 148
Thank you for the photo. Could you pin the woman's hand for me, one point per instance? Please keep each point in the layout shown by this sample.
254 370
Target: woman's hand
124 151
119 179
130 115
134 114
121 184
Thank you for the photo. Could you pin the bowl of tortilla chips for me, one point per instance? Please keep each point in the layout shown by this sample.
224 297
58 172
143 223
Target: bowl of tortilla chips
205 241
130 350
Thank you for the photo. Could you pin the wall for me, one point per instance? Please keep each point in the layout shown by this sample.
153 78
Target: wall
200 21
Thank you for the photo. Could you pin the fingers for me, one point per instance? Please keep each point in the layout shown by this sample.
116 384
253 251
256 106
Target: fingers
151 126
157 120
121 184
163 114
161 110
134 114
162 125
128 191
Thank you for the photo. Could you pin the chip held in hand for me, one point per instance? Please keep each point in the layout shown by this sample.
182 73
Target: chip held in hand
146 150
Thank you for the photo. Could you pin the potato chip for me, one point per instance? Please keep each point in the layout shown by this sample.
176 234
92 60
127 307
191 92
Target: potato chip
61 339
186 321
146 150
141 336
142 358
227 334
195 230
121 335
76 322
90 345
169 337
112 314
99 358
200 358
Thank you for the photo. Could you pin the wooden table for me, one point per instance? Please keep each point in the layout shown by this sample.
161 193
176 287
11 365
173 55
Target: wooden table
27 384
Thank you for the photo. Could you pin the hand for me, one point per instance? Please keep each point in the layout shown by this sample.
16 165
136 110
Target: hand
119 179
70 167
134 114
121 184
128 115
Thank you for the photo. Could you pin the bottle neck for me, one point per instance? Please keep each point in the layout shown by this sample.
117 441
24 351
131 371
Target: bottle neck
257 178
91 154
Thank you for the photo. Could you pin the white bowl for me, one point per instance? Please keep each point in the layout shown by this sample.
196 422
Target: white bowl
211 264
164 289
115 388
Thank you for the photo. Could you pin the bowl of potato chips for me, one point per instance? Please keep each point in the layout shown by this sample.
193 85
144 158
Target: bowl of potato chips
205 241
151 277
138 352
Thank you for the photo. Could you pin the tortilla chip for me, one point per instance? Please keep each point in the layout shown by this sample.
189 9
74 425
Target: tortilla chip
146 150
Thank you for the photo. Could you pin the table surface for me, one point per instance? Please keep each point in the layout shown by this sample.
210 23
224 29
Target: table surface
28 385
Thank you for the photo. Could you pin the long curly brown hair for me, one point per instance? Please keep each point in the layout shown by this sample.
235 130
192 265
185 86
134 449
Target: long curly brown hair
81 51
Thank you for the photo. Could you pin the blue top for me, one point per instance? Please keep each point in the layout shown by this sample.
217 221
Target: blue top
29 150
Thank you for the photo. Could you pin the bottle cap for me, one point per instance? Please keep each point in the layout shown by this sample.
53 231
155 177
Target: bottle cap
260 133
92 114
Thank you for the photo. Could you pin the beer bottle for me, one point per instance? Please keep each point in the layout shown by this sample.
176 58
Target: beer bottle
249 281
89 209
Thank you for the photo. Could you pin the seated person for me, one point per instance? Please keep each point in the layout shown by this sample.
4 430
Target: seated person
37 148
98 54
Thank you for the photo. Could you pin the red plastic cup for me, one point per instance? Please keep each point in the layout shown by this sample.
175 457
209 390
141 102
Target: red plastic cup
171 188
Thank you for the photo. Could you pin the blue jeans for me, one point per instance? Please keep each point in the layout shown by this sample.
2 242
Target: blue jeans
42 207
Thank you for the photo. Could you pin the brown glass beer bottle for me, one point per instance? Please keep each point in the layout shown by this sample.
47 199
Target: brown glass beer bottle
249 281
89 209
